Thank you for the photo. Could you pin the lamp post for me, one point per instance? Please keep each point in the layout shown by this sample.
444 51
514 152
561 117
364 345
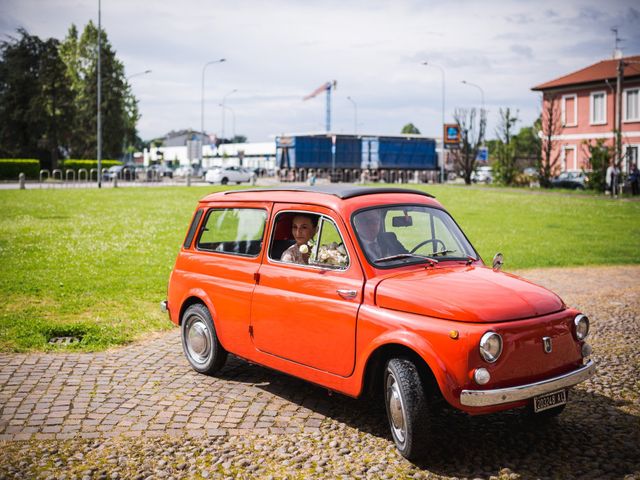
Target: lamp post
202 107
129 154
138 74
427 64
233 116
355 115
224 99
99 119
479 88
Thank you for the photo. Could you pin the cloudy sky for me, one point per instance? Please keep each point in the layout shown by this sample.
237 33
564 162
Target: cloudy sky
281 50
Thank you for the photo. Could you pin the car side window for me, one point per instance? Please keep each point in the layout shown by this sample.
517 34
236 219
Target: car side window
329 251
237 231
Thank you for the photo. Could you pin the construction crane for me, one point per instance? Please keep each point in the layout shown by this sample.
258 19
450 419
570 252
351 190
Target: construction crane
327 86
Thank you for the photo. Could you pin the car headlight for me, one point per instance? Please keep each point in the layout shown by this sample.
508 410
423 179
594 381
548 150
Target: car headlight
491 346
581 325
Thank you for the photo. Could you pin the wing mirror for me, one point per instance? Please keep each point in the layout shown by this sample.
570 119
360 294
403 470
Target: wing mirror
498 261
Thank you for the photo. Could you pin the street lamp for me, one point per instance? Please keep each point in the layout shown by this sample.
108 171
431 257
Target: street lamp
138 74
202 107
233 116
224 99
427 64
355 113
479 88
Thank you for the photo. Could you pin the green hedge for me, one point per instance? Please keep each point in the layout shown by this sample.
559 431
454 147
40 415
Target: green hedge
10 168
73 164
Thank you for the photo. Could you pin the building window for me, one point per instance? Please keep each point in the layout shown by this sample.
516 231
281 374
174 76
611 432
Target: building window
630 157
569 158
598 108
632 105
569 110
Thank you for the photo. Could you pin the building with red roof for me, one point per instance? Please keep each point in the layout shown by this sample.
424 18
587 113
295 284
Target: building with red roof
581 108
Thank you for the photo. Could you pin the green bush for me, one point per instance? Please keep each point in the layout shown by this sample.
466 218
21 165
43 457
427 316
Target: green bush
10 168
72 164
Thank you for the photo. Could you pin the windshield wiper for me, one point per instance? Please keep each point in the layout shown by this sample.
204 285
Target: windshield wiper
399 256
442 252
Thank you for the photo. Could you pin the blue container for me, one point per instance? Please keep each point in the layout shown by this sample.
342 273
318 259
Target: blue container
407 153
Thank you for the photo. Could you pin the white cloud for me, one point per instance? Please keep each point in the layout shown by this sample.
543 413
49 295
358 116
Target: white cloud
281 50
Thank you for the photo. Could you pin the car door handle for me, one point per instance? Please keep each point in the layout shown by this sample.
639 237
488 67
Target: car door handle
347 294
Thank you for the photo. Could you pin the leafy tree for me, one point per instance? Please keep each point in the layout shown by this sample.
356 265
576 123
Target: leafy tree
118 105
36 104
472 132
410 128
239 139
505 168
549 127
599 157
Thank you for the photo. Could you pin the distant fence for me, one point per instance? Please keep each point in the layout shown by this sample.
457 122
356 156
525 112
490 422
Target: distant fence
70 178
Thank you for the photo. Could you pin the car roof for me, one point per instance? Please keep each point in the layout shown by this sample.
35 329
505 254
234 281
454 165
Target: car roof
345 198
341 191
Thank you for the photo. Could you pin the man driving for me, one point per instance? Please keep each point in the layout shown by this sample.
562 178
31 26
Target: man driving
375 241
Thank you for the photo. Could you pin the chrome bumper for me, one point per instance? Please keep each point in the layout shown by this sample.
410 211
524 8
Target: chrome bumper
487 398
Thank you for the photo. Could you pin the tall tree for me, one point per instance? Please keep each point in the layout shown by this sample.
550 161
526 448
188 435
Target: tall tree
36 105
472 132
550 128
119 106
506 155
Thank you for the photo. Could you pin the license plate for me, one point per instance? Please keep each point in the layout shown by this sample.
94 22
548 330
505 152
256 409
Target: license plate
549 400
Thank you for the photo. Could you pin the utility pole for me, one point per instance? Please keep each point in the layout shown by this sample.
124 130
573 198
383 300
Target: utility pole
99 97
618 121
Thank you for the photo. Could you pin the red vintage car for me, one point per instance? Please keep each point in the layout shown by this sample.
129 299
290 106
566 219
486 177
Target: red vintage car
371 290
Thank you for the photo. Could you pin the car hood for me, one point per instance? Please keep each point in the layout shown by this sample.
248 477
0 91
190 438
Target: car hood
466 293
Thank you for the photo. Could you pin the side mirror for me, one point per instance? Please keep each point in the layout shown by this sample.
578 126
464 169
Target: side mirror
498 261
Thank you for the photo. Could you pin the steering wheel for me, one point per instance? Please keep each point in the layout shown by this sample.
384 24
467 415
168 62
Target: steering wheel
435 242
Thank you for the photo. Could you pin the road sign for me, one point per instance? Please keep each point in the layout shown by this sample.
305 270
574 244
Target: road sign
451 135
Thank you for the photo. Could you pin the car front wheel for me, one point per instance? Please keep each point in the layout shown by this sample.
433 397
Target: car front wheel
407 407
200 342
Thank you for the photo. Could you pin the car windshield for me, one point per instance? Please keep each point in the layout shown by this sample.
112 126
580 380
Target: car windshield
398 235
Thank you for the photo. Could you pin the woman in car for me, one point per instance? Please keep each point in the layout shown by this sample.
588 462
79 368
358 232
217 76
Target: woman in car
303 229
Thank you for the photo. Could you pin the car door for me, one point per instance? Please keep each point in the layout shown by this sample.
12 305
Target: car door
307 313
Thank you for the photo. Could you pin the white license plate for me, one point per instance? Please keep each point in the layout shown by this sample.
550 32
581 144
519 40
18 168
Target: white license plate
549 400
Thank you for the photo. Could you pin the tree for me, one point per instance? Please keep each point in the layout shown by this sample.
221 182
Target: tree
505 167
550 127
36 104
472 132
119 107
239 139
410 128
599 157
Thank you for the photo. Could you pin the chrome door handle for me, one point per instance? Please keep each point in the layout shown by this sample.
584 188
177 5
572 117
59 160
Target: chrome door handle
347 294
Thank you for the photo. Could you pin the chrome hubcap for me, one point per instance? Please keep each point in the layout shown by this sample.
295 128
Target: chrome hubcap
198 340
395 408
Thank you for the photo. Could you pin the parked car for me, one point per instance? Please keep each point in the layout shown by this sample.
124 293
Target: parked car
122 172
482 174
230 174
193 170
159 171
571 179
391 299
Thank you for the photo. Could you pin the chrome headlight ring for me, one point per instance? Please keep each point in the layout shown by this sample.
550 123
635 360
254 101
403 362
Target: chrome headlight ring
581 326
491 346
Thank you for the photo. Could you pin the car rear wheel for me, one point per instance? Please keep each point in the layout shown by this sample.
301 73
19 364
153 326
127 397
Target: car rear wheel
200 342
407 407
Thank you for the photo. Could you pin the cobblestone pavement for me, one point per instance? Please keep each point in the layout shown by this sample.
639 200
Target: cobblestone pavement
141 411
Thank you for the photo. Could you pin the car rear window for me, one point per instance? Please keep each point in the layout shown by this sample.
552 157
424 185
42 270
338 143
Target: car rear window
236 231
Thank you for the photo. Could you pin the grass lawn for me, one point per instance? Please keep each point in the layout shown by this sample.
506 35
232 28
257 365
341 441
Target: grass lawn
95 264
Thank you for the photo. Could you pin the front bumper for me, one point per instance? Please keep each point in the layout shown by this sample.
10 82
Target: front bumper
487 398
